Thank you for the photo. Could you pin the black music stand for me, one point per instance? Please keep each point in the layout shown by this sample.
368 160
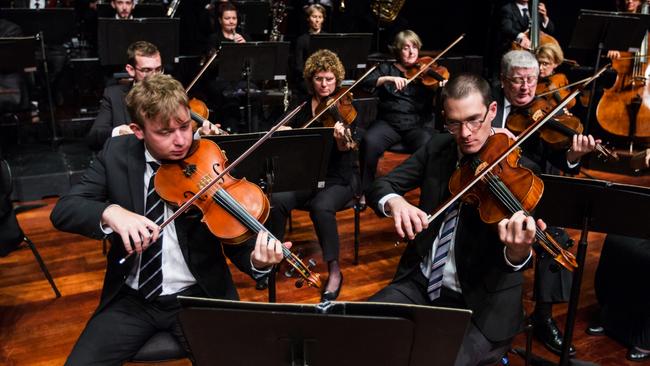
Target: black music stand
292 160
606 31
115 35
590 205
352 48
57 24
253 61
332 333
23 59
253 17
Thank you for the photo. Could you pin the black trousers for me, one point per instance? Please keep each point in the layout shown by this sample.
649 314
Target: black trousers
378 138
475 349
115 334
322 206
552 281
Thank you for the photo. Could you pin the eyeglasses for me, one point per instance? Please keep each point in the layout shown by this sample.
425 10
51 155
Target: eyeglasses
149 70
473 124
520 80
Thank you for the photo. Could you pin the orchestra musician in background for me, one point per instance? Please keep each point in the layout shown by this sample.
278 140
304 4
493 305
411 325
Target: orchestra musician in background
227 31
113 119
627 6
519 76
323 74
315 18
123 8
515 22
403 110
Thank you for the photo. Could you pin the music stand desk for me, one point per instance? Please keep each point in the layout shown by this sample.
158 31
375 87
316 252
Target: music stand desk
222 332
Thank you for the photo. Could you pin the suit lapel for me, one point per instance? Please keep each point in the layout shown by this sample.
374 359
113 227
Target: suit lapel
136 165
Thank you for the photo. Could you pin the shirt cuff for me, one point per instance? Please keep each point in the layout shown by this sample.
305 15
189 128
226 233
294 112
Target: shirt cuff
258 274
383 201
116 131
520 36
106 230
516 267
572 165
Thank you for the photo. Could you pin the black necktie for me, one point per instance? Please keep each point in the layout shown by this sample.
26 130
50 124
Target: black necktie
151 276
526 18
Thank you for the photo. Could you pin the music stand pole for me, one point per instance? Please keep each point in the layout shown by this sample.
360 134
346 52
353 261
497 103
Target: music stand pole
590 105
55 137
575 290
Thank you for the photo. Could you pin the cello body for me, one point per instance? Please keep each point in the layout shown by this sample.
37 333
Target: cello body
624 109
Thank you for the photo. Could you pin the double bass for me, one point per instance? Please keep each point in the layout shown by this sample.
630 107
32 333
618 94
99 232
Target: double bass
626 105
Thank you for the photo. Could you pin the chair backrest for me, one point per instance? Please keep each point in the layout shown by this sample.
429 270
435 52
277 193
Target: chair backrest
6 179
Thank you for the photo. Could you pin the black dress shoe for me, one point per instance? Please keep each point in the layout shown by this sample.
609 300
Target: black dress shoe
634 354
331 295
550 335
595 329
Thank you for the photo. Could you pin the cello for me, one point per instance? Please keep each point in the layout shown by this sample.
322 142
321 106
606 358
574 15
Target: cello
626 105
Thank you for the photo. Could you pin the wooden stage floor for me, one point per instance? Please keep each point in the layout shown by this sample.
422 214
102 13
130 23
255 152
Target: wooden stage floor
37 329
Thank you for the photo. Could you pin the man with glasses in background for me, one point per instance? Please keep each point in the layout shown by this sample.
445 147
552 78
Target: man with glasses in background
457 261
519 75
113 118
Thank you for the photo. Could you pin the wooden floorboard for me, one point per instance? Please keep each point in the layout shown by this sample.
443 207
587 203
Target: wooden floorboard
37 329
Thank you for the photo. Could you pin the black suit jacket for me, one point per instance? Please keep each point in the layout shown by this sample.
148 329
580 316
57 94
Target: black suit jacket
491 289
512 23
117 177
112 113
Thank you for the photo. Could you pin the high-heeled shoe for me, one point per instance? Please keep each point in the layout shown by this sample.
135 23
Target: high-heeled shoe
332 295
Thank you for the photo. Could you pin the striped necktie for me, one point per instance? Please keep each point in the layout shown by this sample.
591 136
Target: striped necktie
150 275
445 238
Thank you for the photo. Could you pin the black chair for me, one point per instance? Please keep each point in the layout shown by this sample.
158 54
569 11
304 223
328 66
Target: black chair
12 234
161 347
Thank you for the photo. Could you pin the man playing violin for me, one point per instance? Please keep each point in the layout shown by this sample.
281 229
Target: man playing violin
403 109
116 197
481 267
519 76
323 75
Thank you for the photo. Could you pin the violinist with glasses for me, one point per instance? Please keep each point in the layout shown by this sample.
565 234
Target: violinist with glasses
323 75
457 260
118 197
404 109
516 101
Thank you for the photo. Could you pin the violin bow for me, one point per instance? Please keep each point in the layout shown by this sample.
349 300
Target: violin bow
422 69
520 139
563 87
335 100
205 66
226 170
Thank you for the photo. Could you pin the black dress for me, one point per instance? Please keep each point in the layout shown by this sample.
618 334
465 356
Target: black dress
322 204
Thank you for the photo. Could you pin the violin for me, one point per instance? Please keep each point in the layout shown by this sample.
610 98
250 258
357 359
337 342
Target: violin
504 190
199 112
554 89
341 111
558 132
426 71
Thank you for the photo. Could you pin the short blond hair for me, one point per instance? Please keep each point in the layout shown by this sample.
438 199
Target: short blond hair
550 51
401 39
157 95
323 60
315 8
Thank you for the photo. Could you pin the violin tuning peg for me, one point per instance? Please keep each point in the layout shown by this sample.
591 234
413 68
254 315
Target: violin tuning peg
312 262
300 283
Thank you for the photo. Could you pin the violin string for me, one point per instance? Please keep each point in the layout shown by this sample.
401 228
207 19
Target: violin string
499 189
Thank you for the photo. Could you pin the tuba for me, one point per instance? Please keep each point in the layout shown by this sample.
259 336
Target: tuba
386 10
